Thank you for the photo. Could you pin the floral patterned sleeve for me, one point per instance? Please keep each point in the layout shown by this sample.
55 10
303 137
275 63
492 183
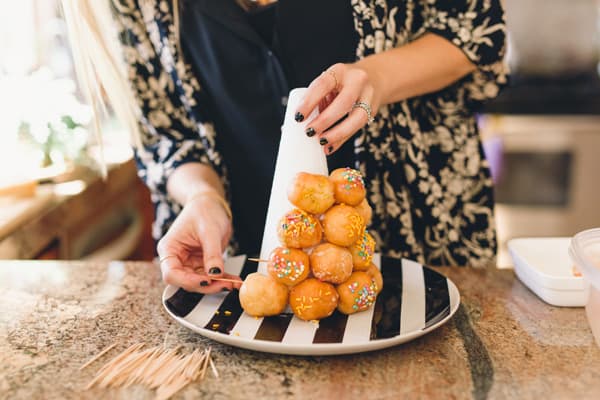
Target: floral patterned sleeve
477 27
173 128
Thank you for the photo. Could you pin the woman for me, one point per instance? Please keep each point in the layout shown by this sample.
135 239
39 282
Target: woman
397 83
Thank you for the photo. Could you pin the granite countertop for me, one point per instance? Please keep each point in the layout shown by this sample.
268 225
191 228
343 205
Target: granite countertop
502 343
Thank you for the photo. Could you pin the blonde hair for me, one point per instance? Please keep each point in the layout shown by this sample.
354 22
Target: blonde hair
99 62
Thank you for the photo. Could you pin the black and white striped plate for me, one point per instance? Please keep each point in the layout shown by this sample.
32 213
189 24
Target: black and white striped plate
415 300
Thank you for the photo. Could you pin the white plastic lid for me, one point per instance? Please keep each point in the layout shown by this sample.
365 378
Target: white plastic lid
585 253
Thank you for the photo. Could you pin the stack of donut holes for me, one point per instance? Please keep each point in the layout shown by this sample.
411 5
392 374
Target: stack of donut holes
325 258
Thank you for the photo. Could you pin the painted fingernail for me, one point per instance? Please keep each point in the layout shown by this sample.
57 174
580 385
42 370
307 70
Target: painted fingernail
323 141
214 271
204 283
225 290
330 149
299 117
310 132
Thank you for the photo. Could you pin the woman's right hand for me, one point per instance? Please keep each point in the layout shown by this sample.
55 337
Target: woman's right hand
191 252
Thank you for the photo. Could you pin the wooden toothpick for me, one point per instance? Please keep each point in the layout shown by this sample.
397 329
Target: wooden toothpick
97 356
226 280
258 260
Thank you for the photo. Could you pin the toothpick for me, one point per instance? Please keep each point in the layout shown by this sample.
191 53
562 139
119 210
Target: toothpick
205 366
214 368
258 260
158 368
97 356
226 280
104 371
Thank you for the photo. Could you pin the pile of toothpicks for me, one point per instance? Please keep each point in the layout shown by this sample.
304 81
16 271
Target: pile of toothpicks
166 370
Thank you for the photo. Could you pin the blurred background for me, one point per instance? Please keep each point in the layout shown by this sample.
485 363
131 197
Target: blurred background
541 135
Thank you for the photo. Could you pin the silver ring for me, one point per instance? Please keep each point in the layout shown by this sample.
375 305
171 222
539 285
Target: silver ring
367 108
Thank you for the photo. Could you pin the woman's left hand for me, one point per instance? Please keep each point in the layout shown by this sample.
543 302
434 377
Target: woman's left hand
343 89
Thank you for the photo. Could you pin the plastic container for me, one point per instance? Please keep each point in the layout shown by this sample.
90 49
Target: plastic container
543 265
585 253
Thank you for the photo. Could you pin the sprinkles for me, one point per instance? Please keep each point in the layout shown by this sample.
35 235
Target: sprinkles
305 303
365 296
365 247
355 225
297 222
353 179
286 268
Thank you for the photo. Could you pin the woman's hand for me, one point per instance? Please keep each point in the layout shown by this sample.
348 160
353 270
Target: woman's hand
425 65
191 252
338 92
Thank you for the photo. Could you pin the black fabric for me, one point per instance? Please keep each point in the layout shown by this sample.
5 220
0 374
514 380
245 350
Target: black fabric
308 42
246 64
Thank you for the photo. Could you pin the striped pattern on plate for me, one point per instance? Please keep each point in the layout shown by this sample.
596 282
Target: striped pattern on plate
414 301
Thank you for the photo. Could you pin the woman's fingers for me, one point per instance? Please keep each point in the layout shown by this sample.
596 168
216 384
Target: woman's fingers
334 106
338 135
318 89
356 120
196 281
212 251
174 273
338 108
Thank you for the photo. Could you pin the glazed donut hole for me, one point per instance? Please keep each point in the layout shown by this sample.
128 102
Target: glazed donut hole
288 266
343 225
262 296
331 263
299 229
313 299
348 185
311 193
358 293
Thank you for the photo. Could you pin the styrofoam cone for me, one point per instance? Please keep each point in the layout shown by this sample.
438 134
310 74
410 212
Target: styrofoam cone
297 153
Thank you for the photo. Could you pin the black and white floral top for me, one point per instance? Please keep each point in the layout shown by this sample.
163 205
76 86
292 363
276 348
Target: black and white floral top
427 177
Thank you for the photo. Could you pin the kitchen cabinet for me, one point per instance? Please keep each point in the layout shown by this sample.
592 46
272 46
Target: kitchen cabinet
86 217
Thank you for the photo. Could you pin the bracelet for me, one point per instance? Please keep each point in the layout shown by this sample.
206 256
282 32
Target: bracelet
215 196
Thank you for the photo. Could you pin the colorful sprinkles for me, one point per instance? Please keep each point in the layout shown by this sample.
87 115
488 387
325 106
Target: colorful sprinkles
365 247
353 179
365 296
286 268
297 222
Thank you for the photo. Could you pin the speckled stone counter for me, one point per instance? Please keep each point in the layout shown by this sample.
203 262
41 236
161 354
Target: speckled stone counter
503 343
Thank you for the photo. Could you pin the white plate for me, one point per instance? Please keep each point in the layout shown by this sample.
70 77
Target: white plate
415 300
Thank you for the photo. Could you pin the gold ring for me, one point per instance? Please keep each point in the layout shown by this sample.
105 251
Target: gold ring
367 108
160 260
335 79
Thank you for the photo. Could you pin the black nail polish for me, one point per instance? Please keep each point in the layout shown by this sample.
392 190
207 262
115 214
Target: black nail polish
204 283
225 290
310 132
330 149
299 117
323 141
214 271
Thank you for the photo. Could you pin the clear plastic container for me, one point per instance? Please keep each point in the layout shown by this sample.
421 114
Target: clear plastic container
585 253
